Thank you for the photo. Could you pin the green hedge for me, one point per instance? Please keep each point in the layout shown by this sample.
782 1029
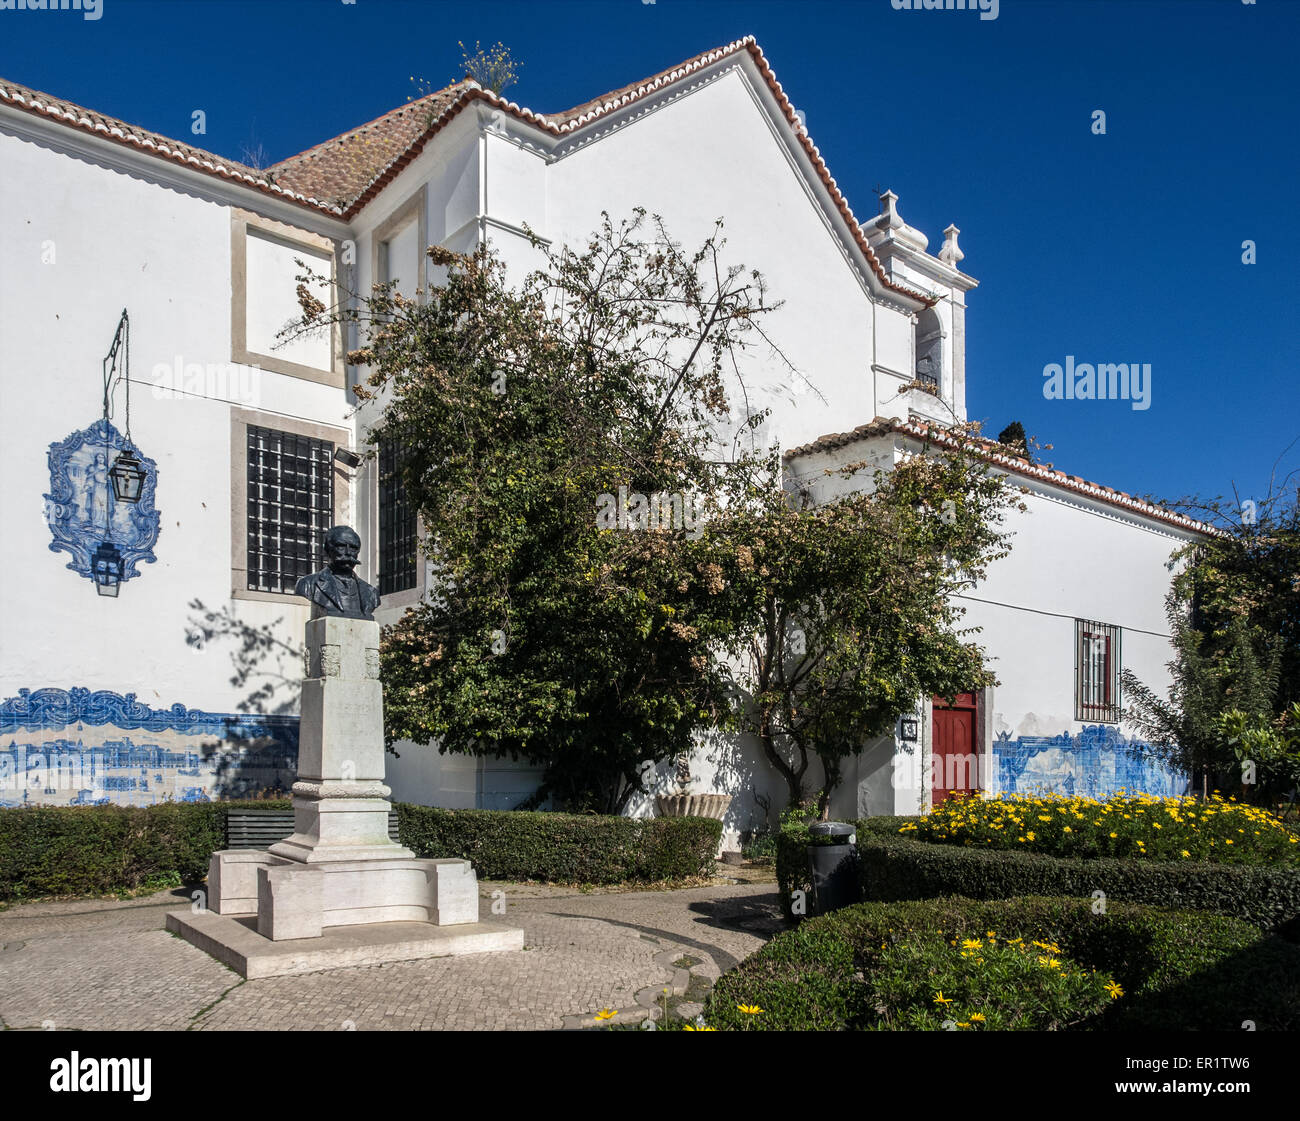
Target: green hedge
893 867
566 848
90 850
1180 970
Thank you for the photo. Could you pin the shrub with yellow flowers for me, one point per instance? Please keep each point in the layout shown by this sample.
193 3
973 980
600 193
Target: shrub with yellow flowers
1124 825
984 984
970 965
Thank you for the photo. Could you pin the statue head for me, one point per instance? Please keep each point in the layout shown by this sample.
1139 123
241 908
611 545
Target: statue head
342 550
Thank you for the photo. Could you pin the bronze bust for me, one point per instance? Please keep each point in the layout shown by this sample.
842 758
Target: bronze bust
334 590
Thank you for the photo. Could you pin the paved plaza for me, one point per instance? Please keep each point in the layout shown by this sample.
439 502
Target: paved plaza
110 965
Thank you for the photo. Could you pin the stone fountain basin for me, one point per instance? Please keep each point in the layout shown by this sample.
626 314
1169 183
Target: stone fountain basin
693 805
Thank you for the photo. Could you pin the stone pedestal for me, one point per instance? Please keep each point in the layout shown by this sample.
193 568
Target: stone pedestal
340 802
339 868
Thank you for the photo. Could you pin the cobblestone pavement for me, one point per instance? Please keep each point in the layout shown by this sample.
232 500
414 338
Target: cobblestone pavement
104 964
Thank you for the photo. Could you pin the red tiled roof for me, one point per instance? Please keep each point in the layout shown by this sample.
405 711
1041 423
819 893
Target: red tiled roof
993 452
152 143
342 174
342 167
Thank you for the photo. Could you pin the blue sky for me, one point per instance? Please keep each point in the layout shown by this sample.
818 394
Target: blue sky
1125 247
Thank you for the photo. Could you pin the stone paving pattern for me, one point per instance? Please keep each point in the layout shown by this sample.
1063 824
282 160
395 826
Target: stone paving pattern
110 965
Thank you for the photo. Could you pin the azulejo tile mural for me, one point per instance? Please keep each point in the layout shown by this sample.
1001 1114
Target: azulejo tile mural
1095 762
69 747
80 509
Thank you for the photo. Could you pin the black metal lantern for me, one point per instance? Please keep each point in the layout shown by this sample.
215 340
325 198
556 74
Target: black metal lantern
908 727
106 567
128 475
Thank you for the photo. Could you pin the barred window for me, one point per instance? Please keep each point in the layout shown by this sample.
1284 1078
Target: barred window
290 507
396 524
1097 669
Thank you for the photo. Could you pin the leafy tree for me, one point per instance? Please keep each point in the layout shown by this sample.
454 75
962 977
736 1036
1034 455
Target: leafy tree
1013 436
1267 752
527 418
1185 727
848 613
1249 572
1234 611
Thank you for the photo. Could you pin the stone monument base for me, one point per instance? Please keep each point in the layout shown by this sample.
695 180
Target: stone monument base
291 899
234 941
338 892
267 915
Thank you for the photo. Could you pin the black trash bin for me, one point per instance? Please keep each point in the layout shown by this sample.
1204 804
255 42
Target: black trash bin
833 861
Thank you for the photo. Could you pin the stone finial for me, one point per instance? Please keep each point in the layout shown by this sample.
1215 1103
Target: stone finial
951 252
891 224
889 211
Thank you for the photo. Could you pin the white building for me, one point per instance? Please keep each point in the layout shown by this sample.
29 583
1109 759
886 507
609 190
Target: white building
196 658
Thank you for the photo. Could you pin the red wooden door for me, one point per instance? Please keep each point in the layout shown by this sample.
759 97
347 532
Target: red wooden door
955 764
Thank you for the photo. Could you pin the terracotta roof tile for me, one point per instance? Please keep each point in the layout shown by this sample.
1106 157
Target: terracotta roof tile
341 168
993 452
342 174
78 117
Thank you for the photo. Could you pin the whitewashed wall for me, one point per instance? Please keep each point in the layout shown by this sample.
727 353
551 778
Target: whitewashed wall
717 153
113 239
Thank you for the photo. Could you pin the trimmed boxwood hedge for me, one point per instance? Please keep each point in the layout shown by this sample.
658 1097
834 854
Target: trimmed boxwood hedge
894 867
567 848
1180 970
89 850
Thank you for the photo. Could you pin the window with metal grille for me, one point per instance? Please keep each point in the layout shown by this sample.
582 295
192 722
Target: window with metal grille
290 507
396 524
1097 669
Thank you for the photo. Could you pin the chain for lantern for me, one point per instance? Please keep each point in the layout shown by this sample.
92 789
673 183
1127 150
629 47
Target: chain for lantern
127 473
126 476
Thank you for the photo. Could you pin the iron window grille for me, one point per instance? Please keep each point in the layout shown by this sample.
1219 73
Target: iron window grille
1098 660
290 507
397 550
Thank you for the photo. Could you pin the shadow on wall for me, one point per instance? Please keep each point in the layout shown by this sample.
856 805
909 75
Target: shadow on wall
77 746
258 657
758 793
